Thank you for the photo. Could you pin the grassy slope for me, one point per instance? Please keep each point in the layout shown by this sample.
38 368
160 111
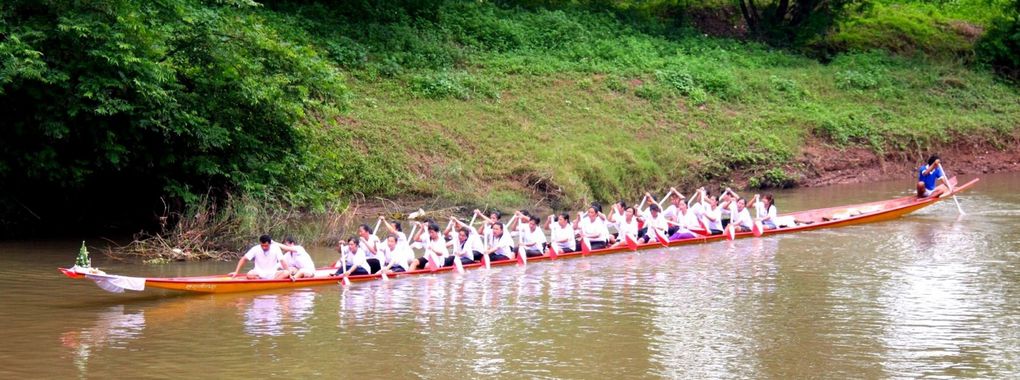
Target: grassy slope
579 106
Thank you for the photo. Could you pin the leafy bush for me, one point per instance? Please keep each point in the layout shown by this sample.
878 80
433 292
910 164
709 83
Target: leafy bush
679 80
438 86
785 85
1000 46
846 128
615 84
452 85
857 80
650 92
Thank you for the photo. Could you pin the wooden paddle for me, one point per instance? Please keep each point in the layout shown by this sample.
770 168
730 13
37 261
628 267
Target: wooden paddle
522 255
950 191
631 244
343 259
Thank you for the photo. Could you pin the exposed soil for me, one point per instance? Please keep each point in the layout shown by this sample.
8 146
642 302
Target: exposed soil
823 165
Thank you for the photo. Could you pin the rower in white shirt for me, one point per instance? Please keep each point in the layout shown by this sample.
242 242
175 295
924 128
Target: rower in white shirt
434 246
487 222
395 230
299 262
627 225
399 256
533 238
561 233
742 219
765 211
498 245
268 258
654 221
369 244
468 243
593 227
353 259
672 212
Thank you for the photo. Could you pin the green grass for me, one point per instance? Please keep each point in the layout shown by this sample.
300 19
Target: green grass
939 29
508 107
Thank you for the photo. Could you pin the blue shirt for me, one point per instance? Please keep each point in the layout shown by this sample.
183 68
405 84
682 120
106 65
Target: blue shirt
929 180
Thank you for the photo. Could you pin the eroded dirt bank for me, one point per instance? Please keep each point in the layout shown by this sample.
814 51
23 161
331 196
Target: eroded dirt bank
821 165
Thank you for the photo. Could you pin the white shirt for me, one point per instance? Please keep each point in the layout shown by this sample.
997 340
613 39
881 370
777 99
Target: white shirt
658 222
299 258
265 261
401 237
689 221
437 247
671 213
713 217
400 255
597 228
743 218
558 234
372 241
473 243
533 239
617 217
627 228
502 244
761 213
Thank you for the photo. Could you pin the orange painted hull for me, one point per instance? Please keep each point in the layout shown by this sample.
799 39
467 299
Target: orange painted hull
820 218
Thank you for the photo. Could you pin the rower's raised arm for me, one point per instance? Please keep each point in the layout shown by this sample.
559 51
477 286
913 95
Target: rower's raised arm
389 226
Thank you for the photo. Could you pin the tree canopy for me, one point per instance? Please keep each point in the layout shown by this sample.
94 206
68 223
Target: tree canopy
128 97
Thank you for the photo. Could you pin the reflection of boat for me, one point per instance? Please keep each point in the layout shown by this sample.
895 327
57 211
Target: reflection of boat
807 220
113 327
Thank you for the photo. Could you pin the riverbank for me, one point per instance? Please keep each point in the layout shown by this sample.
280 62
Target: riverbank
461 104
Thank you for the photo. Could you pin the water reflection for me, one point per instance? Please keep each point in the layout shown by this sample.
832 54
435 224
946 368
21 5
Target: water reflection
113 328
278 314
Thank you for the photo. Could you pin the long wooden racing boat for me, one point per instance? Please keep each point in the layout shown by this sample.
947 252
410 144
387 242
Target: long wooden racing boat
806 220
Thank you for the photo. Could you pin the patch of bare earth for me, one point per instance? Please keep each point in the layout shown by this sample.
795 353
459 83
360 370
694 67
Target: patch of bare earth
823 165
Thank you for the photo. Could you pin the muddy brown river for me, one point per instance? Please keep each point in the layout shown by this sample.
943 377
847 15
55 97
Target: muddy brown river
930 295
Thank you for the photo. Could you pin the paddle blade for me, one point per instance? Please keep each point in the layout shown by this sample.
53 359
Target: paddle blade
701 222
631 244
552 251
661 237
432 264
731 232
758 229
487 261
522 257
585 247
382 273
457 264
346 281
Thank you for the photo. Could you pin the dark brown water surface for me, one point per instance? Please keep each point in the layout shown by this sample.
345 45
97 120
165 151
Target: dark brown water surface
929 295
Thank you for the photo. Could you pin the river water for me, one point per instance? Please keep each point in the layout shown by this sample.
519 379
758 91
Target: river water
929 295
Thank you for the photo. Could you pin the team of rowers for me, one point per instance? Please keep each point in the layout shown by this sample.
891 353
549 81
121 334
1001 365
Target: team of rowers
462 242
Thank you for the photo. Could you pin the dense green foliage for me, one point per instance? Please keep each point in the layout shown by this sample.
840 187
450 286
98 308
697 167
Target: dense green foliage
1000 46
793 21
123 102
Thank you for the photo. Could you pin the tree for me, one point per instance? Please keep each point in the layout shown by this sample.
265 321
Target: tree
787 22
109 105
1000 46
